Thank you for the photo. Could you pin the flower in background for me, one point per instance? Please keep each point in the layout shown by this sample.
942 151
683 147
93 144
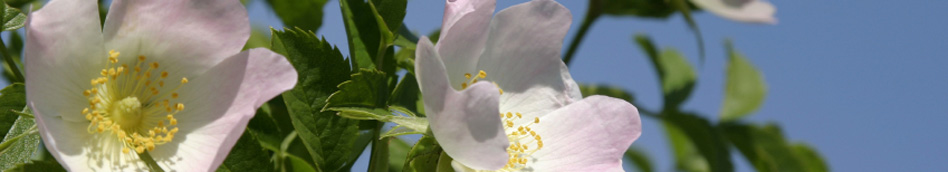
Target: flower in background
164 79
754 11
498 97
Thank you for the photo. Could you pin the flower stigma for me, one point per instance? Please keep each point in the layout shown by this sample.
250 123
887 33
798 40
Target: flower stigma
133 105
524 141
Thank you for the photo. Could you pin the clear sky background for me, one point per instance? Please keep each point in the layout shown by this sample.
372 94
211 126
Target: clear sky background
863 81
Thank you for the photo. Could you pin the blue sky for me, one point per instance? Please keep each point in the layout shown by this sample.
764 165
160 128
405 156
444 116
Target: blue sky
862 81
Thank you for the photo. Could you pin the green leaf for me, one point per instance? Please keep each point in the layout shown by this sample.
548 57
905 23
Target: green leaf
639 8
611 91
812 161
362 31
46 166
690 134
20 143
407 94
392 12
258 38
247 155
360 113
22 3
744 88
405 38
676 74
685 9
12 18
361 144
265 129
12 98
640 159
424 156
291 153
368 89
297 164
398 151
766 148
305 14
329 138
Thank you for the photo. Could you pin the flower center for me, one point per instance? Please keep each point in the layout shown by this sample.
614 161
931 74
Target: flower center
524 141
127 104
127 112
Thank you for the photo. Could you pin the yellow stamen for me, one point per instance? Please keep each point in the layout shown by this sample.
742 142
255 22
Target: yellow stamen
520 146
124 103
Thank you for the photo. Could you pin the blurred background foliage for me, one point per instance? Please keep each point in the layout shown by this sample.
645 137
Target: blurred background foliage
349 102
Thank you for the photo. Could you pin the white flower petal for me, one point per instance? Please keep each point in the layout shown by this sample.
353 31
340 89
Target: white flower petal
219 105
77 150
589 135
523 57
754 11
197 33
63 52
462 38
467 123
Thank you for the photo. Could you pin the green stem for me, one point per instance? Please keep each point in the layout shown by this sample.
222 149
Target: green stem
380 57
6 144
152 165
378 162
592 13
12 64
22 114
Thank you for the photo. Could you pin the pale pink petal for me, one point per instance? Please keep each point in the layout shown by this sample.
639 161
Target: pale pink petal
753 11
523 57
78 150
192 34
63 52
589 135
218 106
462 38
467 123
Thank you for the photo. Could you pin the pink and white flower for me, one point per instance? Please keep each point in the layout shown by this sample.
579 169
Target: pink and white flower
498 97
102 95
753 11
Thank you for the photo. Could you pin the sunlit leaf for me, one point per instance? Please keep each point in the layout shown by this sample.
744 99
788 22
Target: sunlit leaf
20 143
744 88
12 18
